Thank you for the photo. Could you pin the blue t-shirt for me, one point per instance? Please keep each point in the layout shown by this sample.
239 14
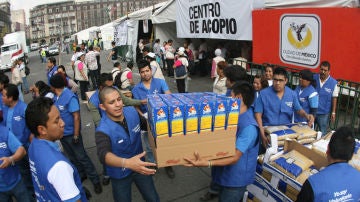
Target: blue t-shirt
13 144
9 118
245 141
157 86
74 105
276 111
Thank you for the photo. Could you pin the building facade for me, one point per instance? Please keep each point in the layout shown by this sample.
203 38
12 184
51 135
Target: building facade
55 21
5 20
18 21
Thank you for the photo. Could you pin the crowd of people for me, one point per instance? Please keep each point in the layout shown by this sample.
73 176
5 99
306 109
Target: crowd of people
51 125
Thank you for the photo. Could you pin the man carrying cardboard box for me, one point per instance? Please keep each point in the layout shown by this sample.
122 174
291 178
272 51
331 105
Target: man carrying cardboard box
232 175
338 181
150 86
118 140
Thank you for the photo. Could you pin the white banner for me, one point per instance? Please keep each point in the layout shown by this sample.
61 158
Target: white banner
120 34
221 19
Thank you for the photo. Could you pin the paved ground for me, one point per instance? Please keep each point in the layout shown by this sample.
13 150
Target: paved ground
189 183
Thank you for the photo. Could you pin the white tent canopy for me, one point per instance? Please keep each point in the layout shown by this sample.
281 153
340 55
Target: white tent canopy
84 35
107 35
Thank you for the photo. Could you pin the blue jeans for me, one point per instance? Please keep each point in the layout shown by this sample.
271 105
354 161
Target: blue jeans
322 120
122 188
25 84
19 192
78 156
24 168
149 157
231 194
21 96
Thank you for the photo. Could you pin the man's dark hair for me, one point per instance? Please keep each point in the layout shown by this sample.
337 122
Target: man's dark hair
146 49
143 63
57 81
106 90
170 41
12 91
116 64
52 60
4 79
280 71
103 78
130 65
37 113
157 40
325 64
113 43
235 73
263 81
246 90
78 49
91 48
342 144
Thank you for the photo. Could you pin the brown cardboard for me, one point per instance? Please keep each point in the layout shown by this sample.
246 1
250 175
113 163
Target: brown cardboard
318 159
170 151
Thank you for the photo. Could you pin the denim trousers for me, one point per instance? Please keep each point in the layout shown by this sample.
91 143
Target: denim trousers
322 120
25 84
122 188
149 157
231 194
78 156
19 192
21 96
24 168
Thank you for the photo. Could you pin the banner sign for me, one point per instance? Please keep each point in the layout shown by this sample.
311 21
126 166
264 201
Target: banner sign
120 34
300 39
221 19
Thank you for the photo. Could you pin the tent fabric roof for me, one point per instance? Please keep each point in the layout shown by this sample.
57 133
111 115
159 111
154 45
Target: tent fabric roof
141 14
165 14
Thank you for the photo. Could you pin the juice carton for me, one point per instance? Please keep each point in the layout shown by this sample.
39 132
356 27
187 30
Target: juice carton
176 116
233 110
191 118
206 115
158 117
220 113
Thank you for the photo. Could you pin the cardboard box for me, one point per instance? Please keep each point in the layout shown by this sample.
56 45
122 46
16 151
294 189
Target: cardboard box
262 190
318 159
170 151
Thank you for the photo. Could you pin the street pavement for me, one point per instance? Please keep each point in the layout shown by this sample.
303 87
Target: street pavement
189 183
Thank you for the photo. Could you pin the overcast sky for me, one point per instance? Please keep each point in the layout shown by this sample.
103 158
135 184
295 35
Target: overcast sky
28 4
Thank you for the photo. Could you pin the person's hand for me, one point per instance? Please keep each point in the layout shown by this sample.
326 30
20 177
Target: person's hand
265 141
136 164
198 162
310 118
332 117
75 139
5 162
144 101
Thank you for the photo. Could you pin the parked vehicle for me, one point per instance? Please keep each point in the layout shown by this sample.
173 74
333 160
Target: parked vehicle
34 46
14 48
53 50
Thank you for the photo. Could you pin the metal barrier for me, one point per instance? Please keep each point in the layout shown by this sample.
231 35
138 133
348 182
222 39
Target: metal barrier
347 109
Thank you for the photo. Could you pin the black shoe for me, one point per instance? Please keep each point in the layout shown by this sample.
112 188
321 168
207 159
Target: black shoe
83 178
170 172
87 193
106 180
208 196
97 188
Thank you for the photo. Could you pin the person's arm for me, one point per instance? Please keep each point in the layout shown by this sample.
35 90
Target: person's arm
264 139
308 117
76 116
333 108
15 147
61 177
110 54
306 193
94 111
80 67
129 101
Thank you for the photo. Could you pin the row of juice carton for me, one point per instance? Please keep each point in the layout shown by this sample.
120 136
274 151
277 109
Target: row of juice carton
173 114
